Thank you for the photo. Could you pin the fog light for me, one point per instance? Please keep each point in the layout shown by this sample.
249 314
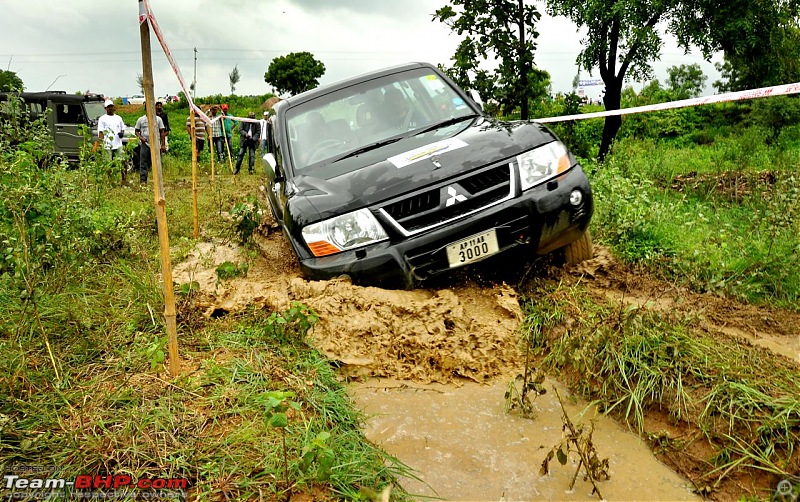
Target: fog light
575 198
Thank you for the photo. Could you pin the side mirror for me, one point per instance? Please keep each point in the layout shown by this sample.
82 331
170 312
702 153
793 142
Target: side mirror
476 98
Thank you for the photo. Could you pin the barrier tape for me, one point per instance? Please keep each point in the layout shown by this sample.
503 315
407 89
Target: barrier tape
762 92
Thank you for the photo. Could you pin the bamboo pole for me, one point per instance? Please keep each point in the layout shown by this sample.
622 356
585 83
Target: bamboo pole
193 138
158 192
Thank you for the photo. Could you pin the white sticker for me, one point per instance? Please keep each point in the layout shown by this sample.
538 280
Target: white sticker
427 151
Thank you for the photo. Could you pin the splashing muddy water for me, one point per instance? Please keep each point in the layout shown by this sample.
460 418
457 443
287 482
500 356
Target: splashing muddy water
436 365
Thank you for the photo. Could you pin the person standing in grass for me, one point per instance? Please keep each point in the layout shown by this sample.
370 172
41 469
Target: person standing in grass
110 129
249 132
199 131
228 125
143 133
217 134
165 119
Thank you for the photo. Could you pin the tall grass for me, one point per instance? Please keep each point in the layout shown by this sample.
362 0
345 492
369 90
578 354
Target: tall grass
630 360
724 217
81 349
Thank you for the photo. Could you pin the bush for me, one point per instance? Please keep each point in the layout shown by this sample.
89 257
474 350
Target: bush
775 113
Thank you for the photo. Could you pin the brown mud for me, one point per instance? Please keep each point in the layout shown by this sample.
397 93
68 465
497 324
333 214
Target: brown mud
433 366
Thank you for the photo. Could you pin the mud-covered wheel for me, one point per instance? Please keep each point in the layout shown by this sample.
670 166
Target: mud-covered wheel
579 250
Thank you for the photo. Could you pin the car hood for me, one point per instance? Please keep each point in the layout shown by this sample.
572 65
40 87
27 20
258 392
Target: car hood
418 161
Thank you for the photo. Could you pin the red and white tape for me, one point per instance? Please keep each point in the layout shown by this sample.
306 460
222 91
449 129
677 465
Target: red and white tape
762 92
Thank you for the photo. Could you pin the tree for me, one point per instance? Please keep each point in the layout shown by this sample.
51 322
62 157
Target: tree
761 66
140 82
760 40
234 77
622 38
686 81
294 73
9 81
504 30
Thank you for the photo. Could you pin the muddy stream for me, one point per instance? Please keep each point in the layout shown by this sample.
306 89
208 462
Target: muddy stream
432 368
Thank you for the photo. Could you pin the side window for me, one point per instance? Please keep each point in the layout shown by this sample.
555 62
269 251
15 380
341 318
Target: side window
35 110
69 114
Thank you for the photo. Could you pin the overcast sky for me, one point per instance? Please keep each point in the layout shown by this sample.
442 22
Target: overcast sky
80 45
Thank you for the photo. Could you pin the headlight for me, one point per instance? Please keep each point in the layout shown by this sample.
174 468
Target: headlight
542 163
344 232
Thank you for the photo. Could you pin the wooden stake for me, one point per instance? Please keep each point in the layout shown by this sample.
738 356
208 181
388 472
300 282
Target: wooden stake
158 193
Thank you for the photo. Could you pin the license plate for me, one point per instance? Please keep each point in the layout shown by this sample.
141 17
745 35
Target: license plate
471 249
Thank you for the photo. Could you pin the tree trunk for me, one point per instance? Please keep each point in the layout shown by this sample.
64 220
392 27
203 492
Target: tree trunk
611 99
523 77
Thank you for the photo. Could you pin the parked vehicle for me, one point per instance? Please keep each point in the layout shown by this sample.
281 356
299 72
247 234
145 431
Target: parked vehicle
136 99
65 115
398 175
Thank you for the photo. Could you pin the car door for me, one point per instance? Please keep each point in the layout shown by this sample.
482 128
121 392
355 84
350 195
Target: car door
69 117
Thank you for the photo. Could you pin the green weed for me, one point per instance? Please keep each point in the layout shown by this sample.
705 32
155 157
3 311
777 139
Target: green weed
697 217
629 360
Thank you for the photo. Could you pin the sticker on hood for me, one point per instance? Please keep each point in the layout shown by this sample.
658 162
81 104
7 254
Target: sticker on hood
426 151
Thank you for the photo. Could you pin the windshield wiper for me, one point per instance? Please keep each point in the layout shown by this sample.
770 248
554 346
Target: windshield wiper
444 123
366 148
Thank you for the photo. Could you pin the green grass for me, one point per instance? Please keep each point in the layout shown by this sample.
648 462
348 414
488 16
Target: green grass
630 361
724 217
82 342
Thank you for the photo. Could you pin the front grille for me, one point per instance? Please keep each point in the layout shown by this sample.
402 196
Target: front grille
426 209
412 205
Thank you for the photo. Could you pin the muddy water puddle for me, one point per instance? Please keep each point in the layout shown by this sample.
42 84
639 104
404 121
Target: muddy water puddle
435 365
464 446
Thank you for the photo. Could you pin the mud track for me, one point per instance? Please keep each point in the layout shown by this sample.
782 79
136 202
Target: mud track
459 334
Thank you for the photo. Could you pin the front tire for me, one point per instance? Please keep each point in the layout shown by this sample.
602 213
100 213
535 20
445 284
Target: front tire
579 250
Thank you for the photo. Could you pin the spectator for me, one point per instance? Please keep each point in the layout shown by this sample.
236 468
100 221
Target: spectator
199 131
143 133
110 129
217 134
165 119
228 124
249 132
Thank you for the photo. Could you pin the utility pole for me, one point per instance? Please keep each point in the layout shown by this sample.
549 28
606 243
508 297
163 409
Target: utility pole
194 79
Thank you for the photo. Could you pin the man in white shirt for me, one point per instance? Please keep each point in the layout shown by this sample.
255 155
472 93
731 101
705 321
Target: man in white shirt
110 129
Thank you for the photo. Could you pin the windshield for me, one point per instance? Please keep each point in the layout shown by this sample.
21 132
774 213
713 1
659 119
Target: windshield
370 113
94 109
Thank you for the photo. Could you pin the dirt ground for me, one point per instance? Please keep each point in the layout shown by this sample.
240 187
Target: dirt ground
466 331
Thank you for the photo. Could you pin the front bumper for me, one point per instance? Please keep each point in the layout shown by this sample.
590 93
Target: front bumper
542 218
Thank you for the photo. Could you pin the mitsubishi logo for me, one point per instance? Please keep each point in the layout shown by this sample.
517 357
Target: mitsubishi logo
453 196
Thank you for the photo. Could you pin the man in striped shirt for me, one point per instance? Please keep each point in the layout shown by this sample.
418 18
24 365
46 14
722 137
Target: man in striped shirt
217 134
199 131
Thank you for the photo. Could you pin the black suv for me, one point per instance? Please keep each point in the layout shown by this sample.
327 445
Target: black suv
398 175
68 112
